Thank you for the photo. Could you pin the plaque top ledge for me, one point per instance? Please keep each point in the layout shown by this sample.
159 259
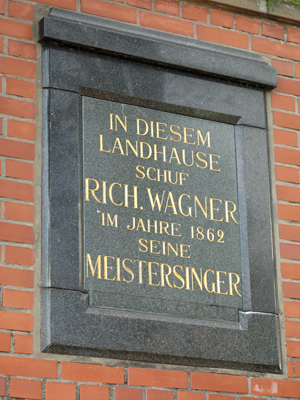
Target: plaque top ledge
153 47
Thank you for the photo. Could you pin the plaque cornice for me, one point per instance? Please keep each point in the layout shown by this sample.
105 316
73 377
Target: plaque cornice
149 46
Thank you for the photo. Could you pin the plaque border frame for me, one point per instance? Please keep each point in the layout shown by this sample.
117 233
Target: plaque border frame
69 325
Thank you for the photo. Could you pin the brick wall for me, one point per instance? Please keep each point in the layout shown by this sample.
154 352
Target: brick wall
24 372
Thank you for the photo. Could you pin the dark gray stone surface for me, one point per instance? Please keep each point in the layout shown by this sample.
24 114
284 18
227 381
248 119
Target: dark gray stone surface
248 344
156 47
167 76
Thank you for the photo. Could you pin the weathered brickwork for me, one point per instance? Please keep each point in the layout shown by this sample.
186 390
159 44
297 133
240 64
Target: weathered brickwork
24 373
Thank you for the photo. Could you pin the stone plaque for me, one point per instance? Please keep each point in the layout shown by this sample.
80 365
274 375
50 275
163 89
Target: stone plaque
157 240
161 223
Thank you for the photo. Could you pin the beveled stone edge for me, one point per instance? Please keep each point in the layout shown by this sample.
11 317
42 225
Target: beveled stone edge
169 50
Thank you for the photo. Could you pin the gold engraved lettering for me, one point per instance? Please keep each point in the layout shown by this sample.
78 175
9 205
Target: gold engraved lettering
134 196
101 145
157 200
179 277
158 129
165 276
127 269
185 135
106 268
124 124
211 162
87 189
138 132
212 209
93 269
227 211
189 214
203 141
150 273
234 284
198 279
175 133
219 282
110 193
213 285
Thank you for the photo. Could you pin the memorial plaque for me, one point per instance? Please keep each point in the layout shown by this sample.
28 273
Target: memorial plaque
157 238
161 224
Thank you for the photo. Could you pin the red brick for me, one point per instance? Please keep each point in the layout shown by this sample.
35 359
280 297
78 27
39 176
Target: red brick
28 367
16 190
247 24
11 66
293 350
288 86
293 35
290 368
20 170
15 321
23 344
15 29
18 87
20 10
222 18
16 149
283 102
290 251
60 391
219 382
275 48
124 393
153 394
2 386
220 397
24 389
286 120
17 299
16 277
292 329
167 24
291 290
92 373
146 4
288 193
191 396
21 49
2 6
1 44
283 67
107 10
19 212
272 30
272 387
297 71
68 4
16 233
289 232
297 367
19 255
223 36
167 6
17 108
292 308
4 343
157 378
190 11
22 130
288 156
1 126
88 392
284 137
